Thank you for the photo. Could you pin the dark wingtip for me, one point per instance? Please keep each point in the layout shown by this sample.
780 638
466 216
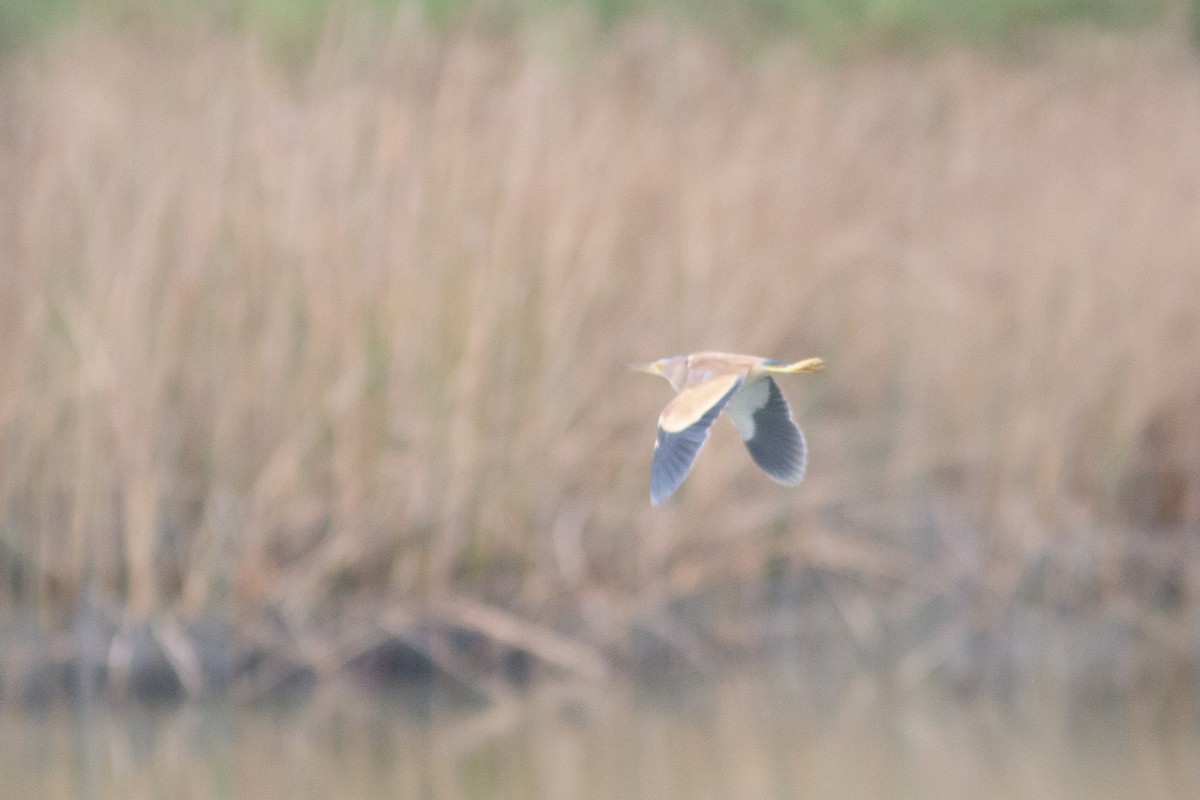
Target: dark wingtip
778 445
676 452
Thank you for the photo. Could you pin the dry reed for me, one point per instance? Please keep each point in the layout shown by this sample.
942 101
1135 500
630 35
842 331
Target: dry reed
278 338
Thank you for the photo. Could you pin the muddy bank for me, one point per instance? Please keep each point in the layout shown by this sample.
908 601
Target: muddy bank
828 628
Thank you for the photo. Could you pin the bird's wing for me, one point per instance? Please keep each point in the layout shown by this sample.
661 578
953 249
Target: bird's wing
765 423
682 430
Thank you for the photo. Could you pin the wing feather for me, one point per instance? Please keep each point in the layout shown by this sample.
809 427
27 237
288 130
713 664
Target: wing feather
763 419
683 428
692 404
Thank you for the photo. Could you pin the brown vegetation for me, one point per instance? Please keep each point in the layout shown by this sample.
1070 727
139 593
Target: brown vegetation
293 340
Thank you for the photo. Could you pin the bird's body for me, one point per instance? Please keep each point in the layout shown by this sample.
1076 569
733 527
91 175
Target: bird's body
708 383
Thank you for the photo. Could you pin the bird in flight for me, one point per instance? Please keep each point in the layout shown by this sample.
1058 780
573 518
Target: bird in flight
709 383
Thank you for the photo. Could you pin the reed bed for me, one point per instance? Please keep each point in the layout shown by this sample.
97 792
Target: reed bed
301 341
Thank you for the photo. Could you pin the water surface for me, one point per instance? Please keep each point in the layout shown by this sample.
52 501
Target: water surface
742 736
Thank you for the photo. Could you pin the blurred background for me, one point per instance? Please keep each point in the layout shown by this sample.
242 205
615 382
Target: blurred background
321 473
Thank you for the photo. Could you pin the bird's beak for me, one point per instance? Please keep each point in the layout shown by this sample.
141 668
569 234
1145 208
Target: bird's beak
651 368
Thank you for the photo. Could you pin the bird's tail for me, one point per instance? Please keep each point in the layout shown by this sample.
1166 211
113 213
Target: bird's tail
807 365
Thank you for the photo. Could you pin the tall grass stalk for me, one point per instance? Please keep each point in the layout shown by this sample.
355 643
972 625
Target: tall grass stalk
276 339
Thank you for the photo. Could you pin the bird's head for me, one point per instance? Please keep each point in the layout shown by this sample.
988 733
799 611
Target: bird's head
673 368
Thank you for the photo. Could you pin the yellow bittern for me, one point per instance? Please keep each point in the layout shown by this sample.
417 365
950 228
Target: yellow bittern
709 383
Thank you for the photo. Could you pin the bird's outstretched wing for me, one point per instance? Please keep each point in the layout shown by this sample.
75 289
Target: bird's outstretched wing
682 430
765 423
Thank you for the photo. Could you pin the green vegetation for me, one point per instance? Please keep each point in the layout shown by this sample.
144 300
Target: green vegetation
295 24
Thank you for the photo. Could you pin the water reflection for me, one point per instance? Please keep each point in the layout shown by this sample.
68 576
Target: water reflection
740 737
